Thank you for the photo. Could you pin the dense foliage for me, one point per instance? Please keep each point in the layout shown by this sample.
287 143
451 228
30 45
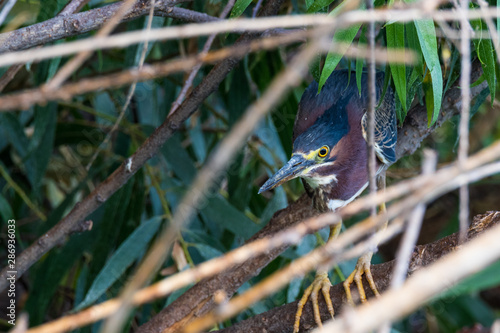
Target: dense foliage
47 164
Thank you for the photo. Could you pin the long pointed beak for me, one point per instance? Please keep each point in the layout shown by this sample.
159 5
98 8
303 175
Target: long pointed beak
292 169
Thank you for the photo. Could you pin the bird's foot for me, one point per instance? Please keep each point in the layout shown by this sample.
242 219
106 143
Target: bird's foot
321 282
362 267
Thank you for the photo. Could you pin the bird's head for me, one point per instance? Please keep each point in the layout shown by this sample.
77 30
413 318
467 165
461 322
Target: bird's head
313 156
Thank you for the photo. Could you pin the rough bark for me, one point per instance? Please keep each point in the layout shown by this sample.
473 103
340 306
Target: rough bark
198 300
76 24
281 319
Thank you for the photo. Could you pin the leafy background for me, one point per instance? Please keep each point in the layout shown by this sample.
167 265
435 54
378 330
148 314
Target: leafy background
44 152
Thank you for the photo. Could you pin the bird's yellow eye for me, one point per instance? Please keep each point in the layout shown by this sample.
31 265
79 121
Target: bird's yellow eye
323 151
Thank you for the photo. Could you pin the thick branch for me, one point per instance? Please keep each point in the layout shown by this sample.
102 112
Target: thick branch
198 300
281 319
76 24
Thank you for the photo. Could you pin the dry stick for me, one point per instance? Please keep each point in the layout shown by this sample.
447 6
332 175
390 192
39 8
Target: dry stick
198 299
116 322
71 25
27 98
290 236
279 319
196 68
463 147
130 92
422 286
71 66
371 106
332 254
256 25
71 222
70 8
410 236
217 162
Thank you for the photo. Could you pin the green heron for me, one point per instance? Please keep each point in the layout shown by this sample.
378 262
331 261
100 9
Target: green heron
330 155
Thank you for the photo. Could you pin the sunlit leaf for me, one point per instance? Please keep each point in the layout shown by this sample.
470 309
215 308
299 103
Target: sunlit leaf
344 36
239 7
396 41
427 38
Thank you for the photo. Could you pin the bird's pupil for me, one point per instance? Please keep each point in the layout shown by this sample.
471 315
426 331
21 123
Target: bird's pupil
322 152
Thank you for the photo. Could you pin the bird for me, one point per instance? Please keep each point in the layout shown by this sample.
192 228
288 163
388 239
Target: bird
330 155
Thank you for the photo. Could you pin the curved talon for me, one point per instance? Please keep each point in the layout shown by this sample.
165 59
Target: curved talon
362 267
321 281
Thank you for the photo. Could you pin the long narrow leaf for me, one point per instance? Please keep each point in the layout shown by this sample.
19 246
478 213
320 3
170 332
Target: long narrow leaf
427 38
239 7
333 58
126 254
396 40
345 36
484 50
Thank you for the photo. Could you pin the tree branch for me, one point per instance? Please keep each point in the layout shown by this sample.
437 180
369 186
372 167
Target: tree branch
71 222
71 25
199 299
281 319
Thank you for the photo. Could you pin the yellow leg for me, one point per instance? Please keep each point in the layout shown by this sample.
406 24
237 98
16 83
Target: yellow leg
321 282
363 264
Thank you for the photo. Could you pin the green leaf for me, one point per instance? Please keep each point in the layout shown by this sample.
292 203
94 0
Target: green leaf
485 53
128 252
487 278
333 59
345 36
219 211
239 7
428 43
396 40
360 61
317 5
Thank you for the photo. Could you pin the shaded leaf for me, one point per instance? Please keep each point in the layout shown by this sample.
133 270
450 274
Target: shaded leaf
396 40
128 252
427 38
485 53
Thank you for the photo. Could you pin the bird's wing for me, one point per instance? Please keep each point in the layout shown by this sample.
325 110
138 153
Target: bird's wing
385 129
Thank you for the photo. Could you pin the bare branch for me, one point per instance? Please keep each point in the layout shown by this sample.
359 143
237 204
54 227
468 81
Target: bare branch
76 24
281 318
69 224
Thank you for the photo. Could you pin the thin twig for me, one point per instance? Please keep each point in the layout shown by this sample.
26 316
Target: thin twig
410 236
255 25
423 285
196 68
217 162
463 147
280 319
372 100
130 92
23 100
70 223
72 65
439 181
70 8
75 24
333 252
